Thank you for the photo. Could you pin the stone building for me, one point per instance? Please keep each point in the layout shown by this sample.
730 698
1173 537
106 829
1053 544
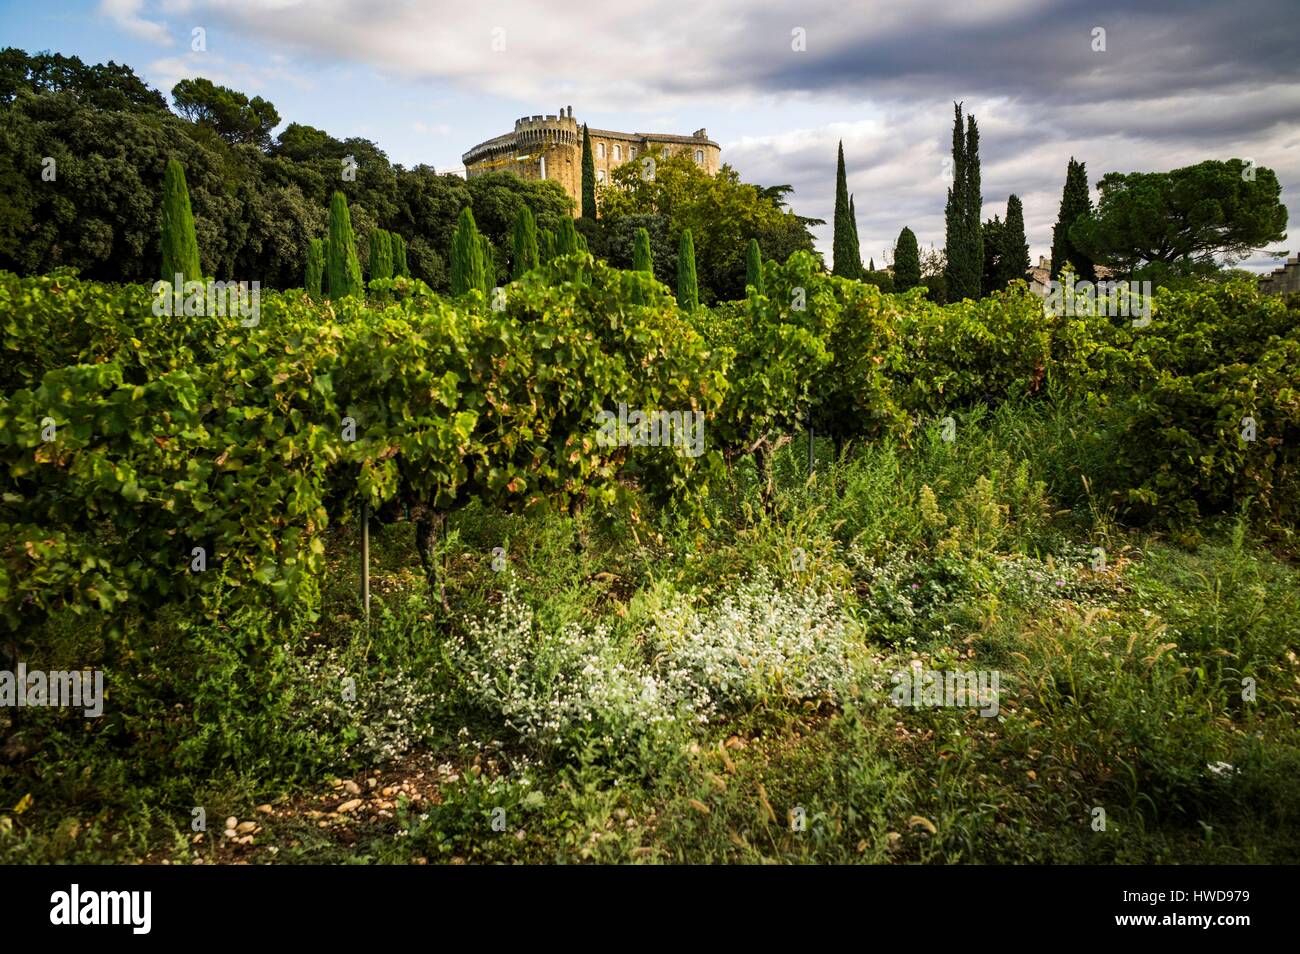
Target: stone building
550 147
1285 278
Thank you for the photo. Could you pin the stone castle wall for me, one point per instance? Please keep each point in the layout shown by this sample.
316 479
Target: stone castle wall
1283 279
550 147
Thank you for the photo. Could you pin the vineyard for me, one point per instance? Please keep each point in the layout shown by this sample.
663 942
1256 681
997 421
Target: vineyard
615 645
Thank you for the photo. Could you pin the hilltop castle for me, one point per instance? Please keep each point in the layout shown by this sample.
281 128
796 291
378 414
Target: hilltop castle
550 147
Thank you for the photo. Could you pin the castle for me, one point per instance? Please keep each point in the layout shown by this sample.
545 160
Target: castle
550 147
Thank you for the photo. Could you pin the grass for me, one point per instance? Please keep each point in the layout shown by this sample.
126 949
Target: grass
649 692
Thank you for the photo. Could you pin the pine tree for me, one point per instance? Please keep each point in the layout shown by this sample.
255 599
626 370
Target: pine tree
342 268
315 267
754 267
688 292
1076 202
844 248
381 254
907 261
963 245
180 246
467 266
524 258
588 177
400 268
1014 257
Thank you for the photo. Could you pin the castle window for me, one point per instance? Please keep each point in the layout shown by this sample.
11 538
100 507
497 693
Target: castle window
631 152
600 150
699 156
618 153
600 176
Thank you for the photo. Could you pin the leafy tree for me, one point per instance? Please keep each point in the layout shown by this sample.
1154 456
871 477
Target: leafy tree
588 176
688 294
963 246
342 269
991 274
315 267
302 143
229 113
1013 259
844 249
99 86
1184 217
497 197
1076 204
467 266
400 268
754 267
525 247
180 247
381 254
907 261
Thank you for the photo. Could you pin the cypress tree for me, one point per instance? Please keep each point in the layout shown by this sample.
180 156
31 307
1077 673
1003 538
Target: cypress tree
525 250
857 245
489 264
992 271
180 246
688 292
1076 202
342 270
907 261
963 245
381 254
566 241
1014 257
847 261
467 269
546 245
400 268
642 258
588 177
754 267
315 267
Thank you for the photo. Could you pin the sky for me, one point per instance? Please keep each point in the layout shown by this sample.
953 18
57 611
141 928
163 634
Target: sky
1122 86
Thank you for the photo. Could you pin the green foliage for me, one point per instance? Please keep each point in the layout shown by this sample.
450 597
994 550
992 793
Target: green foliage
1076 205
1187 216
227 112
964 244
642 259
566 238
845 253
381 254
468 269
753 266
588 176
907 261
342 269
545 246
1013 249
400 267
315 267
688 293
525 246
180 247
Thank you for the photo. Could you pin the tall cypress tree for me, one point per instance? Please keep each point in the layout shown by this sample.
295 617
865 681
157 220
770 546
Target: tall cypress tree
857 245
525 249
546 245
688 292
381 254
467 269
963 245
400 268
754 267
991 274
342 268
315 267
907 261
180 246
1014 257
642 258
489 264
847 261
1076 202
588 177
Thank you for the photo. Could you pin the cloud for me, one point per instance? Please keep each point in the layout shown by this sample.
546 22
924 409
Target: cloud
126 14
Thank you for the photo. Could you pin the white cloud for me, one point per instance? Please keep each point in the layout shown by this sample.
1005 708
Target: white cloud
126 14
